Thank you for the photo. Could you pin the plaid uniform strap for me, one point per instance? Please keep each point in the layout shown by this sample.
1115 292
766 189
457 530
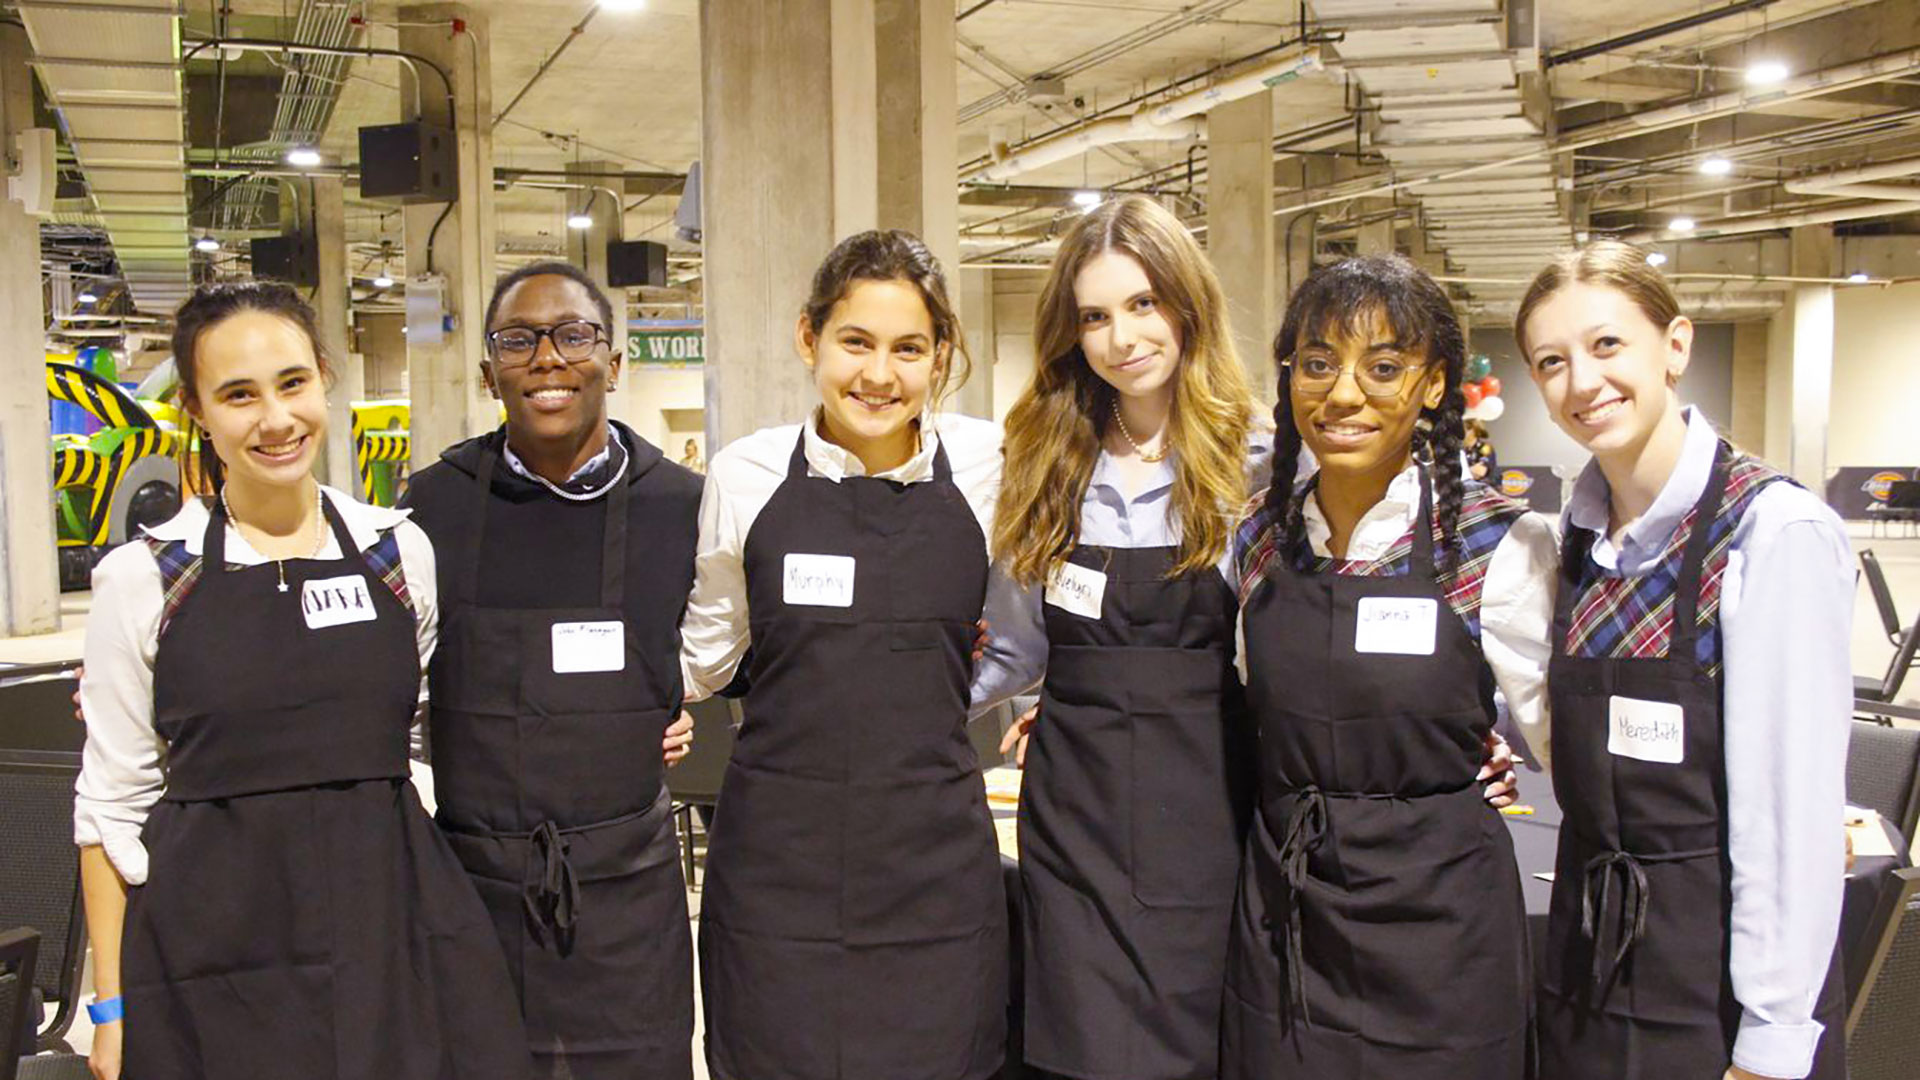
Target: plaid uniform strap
180 572
1632 617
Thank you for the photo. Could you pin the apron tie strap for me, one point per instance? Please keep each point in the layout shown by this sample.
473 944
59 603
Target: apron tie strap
1306 828
552 892
1635 895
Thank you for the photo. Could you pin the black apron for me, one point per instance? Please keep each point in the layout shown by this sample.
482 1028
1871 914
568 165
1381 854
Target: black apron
1380 930
1133 815
1635 982
854 923
551 791
302 919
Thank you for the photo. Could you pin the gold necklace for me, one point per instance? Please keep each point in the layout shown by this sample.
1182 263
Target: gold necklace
319 540
1150 459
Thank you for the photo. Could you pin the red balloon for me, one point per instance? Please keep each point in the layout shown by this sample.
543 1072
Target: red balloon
1490 386
1473 393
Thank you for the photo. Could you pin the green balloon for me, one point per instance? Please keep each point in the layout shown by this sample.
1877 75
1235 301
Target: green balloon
1479 367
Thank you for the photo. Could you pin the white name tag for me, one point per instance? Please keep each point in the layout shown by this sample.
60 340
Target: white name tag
1077 589
1646 730
589 646
336 602
1395 624
818 580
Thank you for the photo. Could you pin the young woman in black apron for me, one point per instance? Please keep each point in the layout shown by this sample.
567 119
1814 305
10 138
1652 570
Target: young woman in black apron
566 546
853 922
1380 930
1701 702
264 893
1138 782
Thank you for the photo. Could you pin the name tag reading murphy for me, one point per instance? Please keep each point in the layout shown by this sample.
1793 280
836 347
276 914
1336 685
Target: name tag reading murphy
1403 626
818 580
1077 589
1646 730
589 646
336 602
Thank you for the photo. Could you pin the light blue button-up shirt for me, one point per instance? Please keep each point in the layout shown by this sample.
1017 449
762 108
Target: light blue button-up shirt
1786 623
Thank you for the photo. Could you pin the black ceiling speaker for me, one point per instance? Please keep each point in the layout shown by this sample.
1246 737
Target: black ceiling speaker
414 162
636 262
292 258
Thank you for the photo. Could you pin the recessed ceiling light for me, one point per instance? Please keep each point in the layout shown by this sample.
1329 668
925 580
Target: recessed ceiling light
1766 73
206 243
580 221
304 157
1715 165
87 298
383 282
1087 200
1859 277
1681 224
1656 258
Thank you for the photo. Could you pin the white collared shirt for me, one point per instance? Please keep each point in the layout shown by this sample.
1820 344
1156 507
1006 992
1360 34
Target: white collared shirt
123 768
741 479
1786 624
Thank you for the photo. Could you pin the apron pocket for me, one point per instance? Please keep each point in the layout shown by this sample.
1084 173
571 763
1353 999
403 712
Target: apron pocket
1185 841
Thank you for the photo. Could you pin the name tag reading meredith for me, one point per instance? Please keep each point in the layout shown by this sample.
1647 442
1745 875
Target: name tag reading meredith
336 602
817 580
1646 730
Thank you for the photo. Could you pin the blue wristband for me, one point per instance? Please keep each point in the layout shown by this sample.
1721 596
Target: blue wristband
107 1012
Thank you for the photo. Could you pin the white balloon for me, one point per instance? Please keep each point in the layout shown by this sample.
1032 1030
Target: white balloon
1490 409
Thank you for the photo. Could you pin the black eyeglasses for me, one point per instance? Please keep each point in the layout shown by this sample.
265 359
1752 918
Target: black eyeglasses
575 341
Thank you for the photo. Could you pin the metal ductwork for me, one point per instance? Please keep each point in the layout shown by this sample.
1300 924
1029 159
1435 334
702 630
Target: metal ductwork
1863 182
112 72
1451 80
1169 121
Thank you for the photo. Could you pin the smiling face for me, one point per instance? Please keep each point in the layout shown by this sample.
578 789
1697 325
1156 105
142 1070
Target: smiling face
549 399
260 398
875 362
1348 431
1125 332
1605 370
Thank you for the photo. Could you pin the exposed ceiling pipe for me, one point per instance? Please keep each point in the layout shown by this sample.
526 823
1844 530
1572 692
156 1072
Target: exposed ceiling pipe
1170 120
1861 182
1708 230
1599 48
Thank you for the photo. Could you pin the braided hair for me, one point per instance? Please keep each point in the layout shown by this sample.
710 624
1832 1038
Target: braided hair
1348 293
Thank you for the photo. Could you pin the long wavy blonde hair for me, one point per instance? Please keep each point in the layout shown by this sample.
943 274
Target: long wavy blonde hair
1053 431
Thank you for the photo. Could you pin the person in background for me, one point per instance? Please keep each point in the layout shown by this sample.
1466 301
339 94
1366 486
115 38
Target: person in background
567 546
1482 464
1701 700
264 894
690 457
1382 604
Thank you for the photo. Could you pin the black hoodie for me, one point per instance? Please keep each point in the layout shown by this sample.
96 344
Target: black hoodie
542 551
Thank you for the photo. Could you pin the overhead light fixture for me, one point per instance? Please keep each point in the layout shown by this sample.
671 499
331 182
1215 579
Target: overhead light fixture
1087 200
87 298
1715 165
624 6
580 221
1859 277
303 157
206 243
1766 73
1656 258
383 282
1682 223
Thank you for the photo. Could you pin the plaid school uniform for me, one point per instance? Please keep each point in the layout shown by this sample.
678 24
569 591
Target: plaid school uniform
1485 518
1632 617
180 571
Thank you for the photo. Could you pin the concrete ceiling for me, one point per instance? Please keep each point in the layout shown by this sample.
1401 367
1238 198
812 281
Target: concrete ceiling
627 91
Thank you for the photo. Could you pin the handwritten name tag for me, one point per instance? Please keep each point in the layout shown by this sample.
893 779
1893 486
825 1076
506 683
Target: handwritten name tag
1077 590
818 580
1400 625
589 646
336 602
1646 730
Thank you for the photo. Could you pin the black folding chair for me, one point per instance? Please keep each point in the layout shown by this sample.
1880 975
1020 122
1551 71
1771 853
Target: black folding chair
1883 772
39 760
694 784
1883 1042
1882 596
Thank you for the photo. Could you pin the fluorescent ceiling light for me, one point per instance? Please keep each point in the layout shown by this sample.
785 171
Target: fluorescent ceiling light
1681 224
383 282
1087 199
580 221
1858 277
304 157
206 243
1715 165
87 298
1656 258
1766 73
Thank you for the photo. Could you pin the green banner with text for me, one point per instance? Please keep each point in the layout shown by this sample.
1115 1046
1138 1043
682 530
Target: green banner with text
675 344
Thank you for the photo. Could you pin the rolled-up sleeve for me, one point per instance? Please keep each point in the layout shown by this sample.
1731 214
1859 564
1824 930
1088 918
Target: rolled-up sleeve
1786 617
122 770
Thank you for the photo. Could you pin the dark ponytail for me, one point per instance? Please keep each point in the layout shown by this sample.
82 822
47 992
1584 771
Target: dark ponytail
1421 315
211 305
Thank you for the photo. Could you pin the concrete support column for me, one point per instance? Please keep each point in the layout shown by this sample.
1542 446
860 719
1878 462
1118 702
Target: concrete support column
977 316
30 583
453 241
587 249
1240 224
1814 255
1748 424
326 214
